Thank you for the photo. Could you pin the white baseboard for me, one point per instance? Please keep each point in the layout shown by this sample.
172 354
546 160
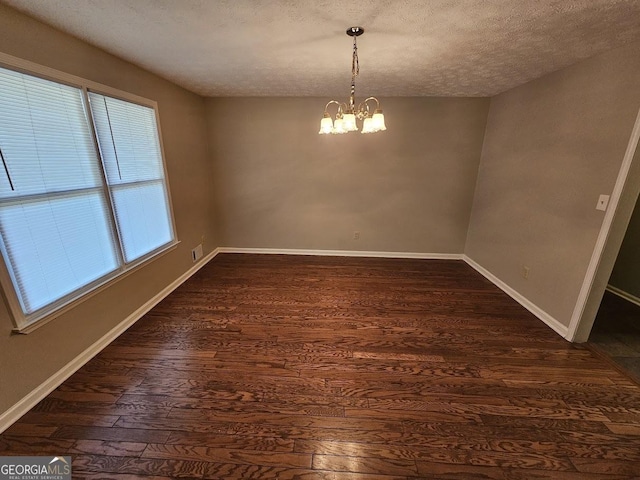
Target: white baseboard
554 324
14 413
622 294
343 253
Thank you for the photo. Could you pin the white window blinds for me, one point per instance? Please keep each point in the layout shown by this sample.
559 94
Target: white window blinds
132 159
68 217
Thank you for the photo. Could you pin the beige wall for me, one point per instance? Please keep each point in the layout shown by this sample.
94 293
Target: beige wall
28 360
626 272
409 189
551 148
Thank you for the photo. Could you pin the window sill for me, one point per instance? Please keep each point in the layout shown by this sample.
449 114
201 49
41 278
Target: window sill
34 324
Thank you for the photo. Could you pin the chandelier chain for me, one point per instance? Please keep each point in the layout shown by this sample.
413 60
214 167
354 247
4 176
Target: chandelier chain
355 64
355 70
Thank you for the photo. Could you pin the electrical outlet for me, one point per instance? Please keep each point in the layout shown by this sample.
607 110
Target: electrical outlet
525 272
356 235
603 201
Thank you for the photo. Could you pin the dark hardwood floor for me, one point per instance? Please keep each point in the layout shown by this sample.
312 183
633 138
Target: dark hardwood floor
339 368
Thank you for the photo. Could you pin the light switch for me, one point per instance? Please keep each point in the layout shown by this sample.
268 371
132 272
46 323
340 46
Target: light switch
603 201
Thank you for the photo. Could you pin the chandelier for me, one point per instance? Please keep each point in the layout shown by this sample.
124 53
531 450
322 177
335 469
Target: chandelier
346 115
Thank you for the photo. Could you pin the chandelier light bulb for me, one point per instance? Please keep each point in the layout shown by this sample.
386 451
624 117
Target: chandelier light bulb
378 121
367 125
349 122
326 124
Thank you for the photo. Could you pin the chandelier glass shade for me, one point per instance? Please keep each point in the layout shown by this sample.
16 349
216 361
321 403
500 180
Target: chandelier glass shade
347 115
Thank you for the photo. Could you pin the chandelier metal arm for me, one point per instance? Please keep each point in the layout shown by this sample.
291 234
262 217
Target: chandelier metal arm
340 107
363 108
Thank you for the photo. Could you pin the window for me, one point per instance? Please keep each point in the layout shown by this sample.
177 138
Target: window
83 194
130 150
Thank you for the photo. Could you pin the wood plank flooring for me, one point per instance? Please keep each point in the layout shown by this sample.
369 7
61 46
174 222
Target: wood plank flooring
284 367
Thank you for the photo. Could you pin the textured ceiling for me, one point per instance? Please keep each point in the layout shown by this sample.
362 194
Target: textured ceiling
299 48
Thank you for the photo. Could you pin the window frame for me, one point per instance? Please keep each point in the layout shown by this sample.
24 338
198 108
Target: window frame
26 323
